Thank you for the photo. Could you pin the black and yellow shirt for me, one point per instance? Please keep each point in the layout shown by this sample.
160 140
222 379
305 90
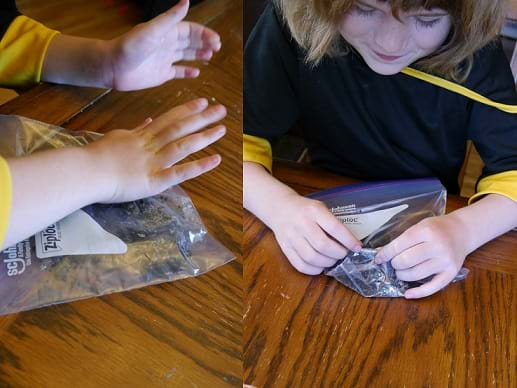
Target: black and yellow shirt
23 45
362 124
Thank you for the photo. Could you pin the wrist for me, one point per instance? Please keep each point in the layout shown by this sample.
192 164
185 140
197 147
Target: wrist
97 172
464 233
78 61
264 195
484 220
106 53
274 213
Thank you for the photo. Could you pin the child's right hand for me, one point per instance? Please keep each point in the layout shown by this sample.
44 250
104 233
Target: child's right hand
310 236
138 163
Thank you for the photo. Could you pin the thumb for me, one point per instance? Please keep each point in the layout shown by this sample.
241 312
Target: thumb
161 24
156 29
175 14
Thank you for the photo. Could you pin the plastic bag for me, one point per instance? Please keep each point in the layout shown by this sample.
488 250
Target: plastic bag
377 213
100 249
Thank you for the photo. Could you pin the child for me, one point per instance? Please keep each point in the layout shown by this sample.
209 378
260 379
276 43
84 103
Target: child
340 68
124 165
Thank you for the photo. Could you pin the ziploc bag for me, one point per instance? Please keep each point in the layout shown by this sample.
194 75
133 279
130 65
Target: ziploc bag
377 213
100 249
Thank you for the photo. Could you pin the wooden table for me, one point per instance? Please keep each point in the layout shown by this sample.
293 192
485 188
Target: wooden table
186 333
312 331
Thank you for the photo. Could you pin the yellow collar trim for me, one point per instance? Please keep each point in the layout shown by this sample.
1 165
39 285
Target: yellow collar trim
458 89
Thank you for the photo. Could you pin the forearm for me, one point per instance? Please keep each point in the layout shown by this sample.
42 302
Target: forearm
78 61
49 185
262 192
486 219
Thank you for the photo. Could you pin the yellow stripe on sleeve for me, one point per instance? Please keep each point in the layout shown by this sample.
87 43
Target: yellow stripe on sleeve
5 198
453 87
258 150
504 183
22 51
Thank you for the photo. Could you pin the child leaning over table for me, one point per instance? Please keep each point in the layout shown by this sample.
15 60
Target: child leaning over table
123 165
383 90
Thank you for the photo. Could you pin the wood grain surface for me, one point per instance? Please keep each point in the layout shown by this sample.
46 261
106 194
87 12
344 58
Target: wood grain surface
182 334
303 331
103 19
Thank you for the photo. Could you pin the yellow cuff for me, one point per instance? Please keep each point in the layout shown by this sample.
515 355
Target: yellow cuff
504 183
5 198
258 150
22 51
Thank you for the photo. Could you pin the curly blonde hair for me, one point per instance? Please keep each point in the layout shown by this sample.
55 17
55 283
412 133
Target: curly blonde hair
475 23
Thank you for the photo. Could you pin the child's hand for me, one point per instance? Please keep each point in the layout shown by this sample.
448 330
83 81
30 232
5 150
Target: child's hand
142 162
434 246
145 56
141 58
310 236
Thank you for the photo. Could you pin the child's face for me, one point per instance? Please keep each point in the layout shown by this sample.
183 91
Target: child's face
388 45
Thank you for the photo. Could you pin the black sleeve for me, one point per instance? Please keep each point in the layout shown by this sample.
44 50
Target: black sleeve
270 78
8 12
493 131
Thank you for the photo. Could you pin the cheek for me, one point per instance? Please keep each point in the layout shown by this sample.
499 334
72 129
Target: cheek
354 27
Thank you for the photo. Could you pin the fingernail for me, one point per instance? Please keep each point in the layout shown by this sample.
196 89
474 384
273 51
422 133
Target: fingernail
357 248
219 109
221 131
197 104
216 159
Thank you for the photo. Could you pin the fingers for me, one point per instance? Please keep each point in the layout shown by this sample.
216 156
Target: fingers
176 114
181 72
420 271
405 241
324 244
298 263
179 173
411 257
336 229
193 123
191 54
308 247
310 256
144 124
438 282
198 36
180 149
188 43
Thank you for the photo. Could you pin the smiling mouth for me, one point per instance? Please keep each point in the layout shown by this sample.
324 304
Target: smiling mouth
388 58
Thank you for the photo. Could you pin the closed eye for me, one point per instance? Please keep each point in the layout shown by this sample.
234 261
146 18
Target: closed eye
363 11
425 22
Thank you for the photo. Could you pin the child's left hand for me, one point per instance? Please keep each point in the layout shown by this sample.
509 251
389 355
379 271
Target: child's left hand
434 246
146 55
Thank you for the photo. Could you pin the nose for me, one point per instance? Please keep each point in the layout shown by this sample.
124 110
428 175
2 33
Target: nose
391 35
